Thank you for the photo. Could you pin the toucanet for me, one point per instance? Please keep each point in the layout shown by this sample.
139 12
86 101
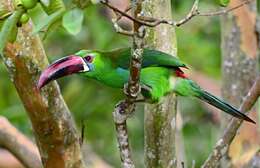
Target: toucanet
161 74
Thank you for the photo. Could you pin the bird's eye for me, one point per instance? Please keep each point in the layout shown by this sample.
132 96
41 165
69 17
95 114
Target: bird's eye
89 58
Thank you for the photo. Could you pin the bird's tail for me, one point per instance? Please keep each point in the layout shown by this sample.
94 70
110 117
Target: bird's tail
222 105
196 91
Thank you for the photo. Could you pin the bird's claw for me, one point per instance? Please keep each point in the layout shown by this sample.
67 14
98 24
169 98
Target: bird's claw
123 110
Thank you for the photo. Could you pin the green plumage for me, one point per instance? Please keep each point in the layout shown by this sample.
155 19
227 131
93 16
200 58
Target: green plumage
158 70
186 87
121 57
112 70
160 75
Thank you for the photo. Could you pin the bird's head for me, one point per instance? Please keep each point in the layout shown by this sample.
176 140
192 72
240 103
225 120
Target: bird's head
80 62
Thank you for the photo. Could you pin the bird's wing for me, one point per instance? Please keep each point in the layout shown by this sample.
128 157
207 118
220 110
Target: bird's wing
151 58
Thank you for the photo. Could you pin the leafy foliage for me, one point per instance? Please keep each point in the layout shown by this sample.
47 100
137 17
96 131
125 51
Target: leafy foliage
72 21
8 31
29 4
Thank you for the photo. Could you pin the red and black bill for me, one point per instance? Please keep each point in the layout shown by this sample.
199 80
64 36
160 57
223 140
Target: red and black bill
62 67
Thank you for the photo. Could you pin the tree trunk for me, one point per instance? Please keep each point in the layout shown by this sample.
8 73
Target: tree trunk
53 125
239 70
160 118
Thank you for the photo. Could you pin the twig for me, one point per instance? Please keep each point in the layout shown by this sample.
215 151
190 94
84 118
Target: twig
182 165
153 22
82 133
225 11
125 108
19 145
193 12
224 142
120 115
117 27
123 13
120 30
119 16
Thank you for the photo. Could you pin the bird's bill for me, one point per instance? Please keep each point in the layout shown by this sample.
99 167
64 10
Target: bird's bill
62 67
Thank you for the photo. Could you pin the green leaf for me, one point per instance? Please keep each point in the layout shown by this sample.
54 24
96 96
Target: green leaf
37 14
13 35
29 4
8 28
50 28
24 18
52 6
55 17
82 4
95 1
224 3
4 14
72 21
45 2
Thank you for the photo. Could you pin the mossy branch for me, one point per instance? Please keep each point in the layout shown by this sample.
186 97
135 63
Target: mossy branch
53 125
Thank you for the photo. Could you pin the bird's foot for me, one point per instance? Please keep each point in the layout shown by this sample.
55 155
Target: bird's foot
132 91
123 110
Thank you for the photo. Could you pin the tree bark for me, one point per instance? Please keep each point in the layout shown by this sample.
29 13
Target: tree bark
239 70
160 118
19 145
53 125
8 160
224 142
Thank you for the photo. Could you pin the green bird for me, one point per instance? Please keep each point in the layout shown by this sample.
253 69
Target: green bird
160 74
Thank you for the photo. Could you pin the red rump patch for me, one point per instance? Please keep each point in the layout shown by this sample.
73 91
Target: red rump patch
180 73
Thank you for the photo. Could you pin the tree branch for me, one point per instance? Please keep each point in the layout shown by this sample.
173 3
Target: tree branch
119 16
120 114
19 145
123 13
160 118
8 160
120 30
153 22
27 153
53 125
125 108
224 142
225 11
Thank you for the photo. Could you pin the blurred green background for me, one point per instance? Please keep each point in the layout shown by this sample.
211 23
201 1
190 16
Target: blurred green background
92 103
